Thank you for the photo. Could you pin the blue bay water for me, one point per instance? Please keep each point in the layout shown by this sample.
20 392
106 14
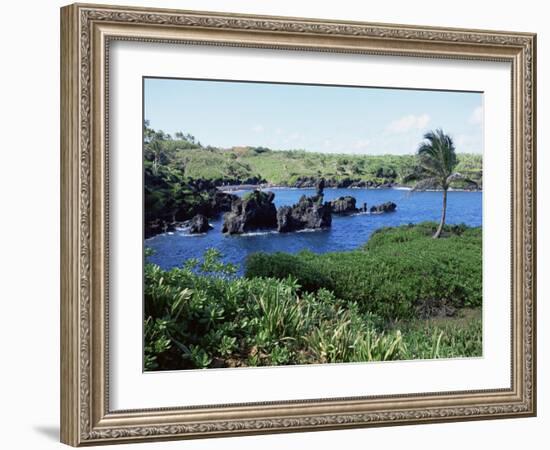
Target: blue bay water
346 233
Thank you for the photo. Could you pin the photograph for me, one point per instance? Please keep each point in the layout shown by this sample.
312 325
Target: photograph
294 224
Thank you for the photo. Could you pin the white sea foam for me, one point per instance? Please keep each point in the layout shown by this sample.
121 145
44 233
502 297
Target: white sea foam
402 188
267 232
258 233
311 230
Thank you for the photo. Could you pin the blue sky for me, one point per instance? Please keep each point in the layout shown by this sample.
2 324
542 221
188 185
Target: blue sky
315 118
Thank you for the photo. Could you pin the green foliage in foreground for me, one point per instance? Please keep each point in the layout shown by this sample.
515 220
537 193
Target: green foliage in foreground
197 316
200 316
398 271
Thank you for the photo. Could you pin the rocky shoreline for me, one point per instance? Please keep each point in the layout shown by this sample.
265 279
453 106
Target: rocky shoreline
229 188
256 210
202 200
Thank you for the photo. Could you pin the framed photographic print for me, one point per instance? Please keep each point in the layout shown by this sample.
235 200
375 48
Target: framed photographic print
278 224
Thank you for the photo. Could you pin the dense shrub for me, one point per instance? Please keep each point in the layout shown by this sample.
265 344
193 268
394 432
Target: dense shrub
398 270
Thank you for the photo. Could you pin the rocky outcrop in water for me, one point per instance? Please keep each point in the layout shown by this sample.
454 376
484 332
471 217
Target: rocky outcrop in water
343 205
221 202
320 187
158 226
199 224
255 210
308 213
383 208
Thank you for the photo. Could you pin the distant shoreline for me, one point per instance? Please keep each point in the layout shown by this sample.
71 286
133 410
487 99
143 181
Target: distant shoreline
263 186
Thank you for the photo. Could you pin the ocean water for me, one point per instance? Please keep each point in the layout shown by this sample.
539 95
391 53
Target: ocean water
346 233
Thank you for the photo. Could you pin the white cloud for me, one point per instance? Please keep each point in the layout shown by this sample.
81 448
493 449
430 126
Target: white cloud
408 123
462 139
466 143
476 117
361 144
293 137
258 128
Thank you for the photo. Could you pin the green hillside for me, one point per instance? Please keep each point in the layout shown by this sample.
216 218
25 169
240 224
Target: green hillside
285 167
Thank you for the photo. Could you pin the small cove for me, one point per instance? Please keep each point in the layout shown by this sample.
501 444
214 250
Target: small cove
346 233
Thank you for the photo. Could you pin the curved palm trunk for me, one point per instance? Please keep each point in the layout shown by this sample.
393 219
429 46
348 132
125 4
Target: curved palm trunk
443 213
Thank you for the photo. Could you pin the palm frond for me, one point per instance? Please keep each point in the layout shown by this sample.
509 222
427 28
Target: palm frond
437 154
430 165
459 177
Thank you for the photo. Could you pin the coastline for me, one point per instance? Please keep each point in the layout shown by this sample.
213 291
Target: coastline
266 186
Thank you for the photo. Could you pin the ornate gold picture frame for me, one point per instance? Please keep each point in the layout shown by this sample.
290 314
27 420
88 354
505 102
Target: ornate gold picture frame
87 32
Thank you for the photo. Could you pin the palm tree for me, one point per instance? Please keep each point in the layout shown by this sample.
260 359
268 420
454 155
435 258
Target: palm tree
438 160
158 155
